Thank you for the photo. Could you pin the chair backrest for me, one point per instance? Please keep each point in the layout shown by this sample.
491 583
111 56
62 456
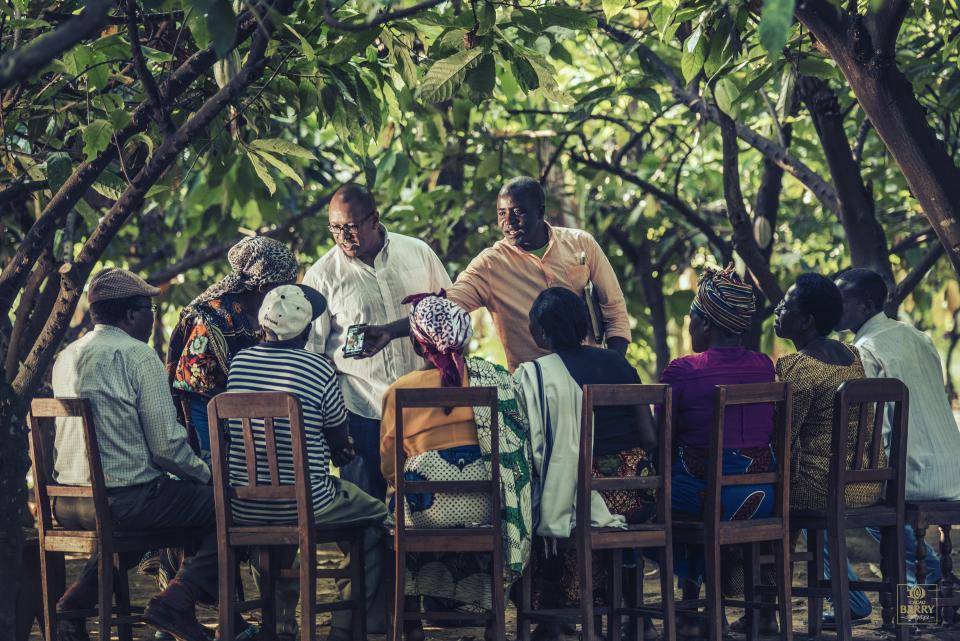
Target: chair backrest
867 399
266 407
780 396
43 427
639 397
447 397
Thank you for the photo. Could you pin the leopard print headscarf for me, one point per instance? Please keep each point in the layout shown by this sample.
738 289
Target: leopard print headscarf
443 329
255 261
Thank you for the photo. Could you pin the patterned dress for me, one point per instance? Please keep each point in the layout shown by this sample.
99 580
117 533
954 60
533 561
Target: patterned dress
814 385
463 579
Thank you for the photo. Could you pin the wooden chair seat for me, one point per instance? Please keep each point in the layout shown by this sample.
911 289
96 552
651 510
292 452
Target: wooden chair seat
87 541
921 515
858 399
305 534
656 537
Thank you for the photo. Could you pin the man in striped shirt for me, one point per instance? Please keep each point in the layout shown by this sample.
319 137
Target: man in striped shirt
280 363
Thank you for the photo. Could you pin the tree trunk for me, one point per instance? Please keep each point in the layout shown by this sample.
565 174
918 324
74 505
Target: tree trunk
888 99
864 234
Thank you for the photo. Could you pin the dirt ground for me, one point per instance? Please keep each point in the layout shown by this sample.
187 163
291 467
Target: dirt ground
143 587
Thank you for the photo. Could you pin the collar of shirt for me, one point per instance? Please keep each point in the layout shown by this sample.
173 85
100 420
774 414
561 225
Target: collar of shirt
379 260
551 242
874 324
111 329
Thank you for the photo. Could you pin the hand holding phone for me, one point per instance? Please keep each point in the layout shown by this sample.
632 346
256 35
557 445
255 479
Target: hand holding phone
353 347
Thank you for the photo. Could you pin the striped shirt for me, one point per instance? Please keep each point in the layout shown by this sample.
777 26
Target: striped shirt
312 379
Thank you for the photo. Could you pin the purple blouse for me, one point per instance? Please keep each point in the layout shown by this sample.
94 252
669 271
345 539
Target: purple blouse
693 379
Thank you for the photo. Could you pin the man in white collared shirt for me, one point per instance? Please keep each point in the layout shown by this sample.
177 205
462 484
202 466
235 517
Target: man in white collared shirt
364 279
891 349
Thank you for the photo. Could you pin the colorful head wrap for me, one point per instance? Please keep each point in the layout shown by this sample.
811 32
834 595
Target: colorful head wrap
255 261
443 330
725 299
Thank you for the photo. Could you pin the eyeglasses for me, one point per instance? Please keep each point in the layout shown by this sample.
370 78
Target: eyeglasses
349 228
152 308
516 212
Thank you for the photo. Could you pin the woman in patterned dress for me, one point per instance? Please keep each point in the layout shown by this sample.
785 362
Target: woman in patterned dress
809 311
551 389
453 444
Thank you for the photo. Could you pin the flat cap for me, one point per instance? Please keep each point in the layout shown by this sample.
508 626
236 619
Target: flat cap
112 283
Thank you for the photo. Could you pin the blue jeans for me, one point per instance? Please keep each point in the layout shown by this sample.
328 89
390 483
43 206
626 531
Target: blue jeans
198 419
364 471
859 603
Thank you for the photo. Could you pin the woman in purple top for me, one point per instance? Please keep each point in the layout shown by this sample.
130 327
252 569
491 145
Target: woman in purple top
721 312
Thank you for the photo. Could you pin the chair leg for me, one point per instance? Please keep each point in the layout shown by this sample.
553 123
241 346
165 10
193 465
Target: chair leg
784 577
399 596
308 593
122 589
894 574
814 579
526 597
920 551
666 595
49 600
751 618
227 576
615 595
498 598
714 597
358 590
268 591
105 572
587 621
947 578
840 582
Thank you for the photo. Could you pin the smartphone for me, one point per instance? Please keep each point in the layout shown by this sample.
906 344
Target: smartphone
354 345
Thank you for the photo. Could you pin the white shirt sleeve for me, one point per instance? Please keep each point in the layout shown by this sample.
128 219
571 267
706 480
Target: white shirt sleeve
439 278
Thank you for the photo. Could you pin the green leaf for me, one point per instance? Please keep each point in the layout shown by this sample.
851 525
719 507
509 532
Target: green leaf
647 95
350 45
284 168
77 60
486 18
560 16
305 46
109 185
776 20
96 137
525 74
59 169
613 7
444 76
809 66
146 140
694 53
282 147
222 25
726 94
482 79
98 74
262 172
119 118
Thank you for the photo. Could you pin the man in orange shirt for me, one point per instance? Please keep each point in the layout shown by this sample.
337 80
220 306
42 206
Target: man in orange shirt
507 277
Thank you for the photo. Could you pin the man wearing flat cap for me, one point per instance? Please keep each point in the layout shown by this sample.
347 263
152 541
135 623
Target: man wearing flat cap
141 445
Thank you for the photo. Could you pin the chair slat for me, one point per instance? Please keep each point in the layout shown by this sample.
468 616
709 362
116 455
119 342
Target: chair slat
627 483
250 450
876 446
270 439
759 478
70 490
464 487
861 436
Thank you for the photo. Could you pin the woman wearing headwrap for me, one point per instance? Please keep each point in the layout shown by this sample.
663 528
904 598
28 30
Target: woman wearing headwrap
454 444
721 312
222 321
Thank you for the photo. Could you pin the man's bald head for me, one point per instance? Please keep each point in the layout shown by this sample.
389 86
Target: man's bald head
354 196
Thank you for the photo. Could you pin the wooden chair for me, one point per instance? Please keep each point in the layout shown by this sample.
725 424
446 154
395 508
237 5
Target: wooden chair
656 535
837 518
921 515
105 540
269 406
714 534
483 540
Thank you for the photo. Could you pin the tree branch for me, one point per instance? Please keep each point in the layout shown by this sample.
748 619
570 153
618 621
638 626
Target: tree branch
74 275
886 22
743 239
19 64
819 187
916 275
160 114
379 20
682 208
15 272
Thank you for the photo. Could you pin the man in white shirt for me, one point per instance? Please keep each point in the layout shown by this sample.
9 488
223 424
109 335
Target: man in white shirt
364 278
891 349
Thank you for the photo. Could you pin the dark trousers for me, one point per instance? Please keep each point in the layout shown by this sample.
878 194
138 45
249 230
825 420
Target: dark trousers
364 471
161 504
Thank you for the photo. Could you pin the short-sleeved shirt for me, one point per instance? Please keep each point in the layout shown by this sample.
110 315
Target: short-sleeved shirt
694 379
506 280
358 293
311 378
614 428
